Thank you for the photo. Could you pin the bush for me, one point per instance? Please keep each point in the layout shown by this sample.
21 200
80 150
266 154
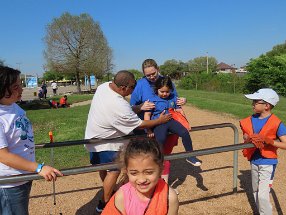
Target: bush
227 83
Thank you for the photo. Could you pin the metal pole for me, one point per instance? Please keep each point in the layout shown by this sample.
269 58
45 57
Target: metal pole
87 169
52 164
194 153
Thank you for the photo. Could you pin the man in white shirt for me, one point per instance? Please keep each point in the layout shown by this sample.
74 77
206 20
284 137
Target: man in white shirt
111 116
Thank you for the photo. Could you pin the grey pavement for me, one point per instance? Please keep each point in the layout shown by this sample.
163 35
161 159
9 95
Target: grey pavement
28 93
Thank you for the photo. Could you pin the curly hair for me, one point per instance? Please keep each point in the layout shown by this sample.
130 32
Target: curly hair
8 76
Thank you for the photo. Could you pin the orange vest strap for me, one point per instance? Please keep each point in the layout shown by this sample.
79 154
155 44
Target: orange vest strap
158 204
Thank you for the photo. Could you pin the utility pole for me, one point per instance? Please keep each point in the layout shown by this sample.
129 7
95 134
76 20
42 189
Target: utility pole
19 65
207 63
19 68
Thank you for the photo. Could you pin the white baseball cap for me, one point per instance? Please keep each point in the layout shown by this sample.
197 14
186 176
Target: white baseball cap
266 94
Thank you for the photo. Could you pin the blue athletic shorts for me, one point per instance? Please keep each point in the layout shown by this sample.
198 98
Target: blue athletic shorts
103 158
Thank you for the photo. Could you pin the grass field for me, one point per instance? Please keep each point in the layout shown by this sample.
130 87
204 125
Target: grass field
66 124
235 104
69 124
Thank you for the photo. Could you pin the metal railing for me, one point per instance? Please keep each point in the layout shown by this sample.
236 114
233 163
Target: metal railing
80 170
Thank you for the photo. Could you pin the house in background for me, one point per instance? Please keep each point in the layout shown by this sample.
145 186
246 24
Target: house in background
227 69
241 71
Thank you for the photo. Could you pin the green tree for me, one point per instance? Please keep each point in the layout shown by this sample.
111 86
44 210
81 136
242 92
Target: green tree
200 64
136 73
277 50
267 71
52 76
173 68
76 45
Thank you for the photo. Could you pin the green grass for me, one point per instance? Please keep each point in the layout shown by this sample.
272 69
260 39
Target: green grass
235 104
44 104
66 124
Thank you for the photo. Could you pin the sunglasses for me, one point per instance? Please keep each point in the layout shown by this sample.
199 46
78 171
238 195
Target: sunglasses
133 86
256 102
154 74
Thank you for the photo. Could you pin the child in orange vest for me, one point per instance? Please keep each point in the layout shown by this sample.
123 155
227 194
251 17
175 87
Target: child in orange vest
262 129
64 102
145 193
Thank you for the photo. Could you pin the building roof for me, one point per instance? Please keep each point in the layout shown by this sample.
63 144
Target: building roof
224 66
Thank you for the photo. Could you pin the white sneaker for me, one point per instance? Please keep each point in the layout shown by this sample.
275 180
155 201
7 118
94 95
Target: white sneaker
194 161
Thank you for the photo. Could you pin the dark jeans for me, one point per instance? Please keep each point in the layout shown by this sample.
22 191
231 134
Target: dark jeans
15 200
161 132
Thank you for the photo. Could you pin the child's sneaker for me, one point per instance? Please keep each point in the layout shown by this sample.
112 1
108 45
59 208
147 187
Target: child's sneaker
194 161
99 208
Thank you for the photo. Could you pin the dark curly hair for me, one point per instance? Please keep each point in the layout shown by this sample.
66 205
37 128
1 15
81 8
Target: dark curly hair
8 76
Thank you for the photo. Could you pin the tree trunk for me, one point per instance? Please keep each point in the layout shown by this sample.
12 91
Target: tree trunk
78 81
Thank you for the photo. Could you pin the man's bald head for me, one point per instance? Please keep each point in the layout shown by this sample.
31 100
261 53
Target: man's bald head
123 78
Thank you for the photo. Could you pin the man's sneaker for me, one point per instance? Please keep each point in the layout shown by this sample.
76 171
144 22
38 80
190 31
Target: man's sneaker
194 161
99 208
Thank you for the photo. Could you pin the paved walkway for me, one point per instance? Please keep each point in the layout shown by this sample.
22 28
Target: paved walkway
28 93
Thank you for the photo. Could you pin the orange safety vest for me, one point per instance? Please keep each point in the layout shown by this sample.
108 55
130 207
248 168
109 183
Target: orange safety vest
269 130
63 101
158 204
180 118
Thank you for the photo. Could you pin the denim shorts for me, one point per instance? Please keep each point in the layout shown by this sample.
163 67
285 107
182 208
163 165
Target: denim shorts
15 200
103 158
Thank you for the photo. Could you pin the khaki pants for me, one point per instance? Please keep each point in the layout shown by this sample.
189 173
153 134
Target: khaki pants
262 177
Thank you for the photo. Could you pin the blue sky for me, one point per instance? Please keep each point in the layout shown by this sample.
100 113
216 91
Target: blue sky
232 31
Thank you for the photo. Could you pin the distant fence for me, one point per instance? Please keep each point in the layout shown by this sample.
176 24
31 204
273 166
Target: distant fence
80 170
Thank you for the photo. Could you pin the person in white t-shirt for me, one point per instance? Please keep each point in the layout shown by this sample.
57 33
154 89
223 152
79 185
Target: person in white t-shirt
17 148
54 86
111 116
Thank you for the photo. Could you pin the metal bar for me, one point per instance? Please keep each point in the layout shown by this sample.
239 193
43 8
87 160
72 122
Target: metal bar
87 169
87 141
127 137
196 128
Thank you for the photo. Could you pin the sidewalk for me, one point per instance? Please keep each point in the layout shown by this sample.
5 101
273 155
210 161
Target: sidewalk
28 93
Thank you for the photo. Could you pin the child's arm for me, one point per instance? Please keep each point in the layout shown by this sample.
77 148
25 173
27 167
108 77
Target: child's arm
18 162
282 144
173 202
147 105
119 201
181 111
147 116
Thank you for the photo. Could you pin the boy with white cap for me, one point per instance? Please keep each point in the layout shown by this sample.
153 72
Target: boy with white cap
263 129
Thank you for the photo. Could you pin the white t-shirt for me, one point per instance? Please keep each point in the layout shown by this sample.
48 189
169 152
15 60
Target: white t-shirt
16 134
54 85
110 116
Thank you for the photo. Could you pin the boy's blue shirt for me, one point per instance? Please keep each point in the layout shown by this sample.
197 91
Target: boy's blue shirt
144 91
257 124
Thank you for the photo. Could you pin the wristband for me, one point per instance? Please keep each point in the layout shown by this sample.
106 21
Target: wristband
39 168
